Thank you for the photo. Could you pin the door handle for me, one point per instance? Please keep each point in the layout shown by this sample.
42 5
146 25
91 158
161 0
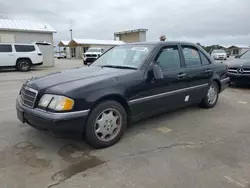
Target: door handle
208 71
181 75
11 55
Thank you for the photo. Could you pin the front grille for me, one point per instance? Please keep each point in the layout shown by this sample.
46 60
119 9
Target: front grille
90 55
239 70
28 96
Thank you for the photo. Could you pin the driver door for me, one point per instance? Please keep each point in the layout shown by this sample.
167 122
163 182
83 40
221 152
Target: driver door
169 93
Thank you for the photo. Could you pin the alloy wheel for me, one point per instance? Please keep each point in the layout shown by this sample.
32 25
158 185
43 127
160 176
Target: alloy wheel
108 124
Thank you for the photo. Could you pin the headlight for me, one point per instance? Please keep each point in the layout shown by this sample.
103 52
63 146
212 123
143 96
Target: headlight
56 102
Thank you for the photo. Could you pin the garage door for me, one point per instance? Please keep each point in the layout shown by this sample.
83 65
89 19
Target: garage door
7 38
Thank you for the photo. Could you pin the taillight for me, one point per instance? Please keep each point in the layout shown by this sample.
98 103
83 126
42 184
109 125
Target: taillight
39 54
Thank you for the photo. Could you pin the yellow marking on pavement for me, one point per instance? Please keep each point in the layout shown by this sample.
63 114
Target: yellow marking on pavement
165 130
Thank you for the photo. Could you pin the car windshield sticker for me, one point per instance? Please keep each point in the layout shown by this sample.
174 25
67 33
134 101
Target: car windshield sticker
141 49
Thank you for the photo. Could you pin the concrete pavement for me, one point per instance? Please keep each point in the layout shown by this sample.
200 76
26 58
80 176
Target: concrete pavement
188 148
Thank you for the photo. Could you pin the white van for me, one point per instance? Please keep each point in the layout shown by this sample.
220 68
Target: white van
20 56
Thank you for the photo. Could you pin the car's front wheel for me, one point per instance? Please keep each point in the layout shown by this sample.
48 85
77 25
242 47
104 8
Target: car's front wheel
211 97
106 124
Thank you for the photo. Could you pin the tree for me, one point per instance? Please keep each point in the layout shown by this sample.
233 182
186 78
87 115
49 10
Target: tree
163 38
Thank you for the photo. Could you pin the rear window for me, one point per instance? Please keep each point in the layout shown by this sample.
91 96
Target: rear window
5 48
25 48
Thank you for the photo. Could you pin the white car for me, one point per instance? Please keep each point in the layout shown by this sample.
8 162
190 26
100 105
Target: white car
20 56
219 54
60 55
91 55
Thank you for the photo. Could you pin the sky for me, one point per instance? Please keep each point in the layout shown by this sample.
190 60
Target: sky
208 22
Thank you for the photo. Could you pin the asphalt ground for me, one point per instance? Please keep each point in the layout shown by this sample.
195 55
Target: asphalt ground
189 148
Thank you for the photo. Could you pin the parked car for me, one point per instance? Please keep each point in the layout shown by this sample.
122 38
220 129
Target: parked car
219 54
60 55
239 68
126 84
91 55
20 56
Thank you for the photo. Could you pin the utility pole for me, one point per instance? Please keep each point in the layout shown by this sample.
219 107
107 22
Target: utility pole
71 30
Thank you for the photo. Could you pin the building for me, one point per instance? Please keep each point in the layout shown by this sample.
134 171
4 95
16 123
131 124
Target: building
236 49
137 35
77 47
19 31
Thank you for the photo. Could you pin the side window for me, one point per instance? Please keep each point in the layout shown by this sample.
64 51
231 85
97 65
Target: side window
5 48
24 48
169 58
191 56
204 59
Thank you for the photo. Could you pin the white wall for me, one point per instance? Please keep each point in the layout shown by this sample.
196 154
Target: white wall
243 50
142 36
29 37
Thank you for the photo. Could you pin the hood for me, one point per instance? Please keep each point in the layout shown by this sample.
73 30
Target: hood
237 63
219 54
97 53
85 75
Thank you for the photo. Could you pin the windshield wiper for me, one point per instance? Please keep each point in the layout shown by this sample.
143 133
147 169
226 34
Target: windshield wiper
119 67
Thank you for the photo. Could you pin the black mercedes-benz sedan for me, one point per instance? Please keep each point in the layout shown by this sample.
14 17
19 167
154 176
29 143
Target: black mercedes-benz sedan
239 68
126 84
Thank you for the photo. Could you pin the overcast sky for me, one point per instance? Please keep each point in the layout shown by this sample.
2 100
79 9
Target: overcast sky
205 21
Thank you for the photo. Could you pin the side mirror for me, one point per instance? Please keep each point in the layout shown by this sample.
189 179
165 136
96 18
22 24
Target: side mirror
157 71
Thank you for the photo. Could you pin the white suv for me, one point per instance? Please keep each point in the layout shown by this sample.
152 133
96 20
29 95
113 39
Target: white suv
20 56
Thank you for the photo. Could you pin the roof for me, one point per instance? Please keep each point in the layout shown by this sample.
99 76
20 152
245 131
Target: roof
23 25
64 43
95 42
237 46
162 42
131 31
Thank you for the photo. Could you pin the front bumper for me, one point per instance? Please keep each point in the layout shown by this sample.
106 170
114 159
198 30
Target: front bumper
224 83
48 121
241 78
220 58
90 59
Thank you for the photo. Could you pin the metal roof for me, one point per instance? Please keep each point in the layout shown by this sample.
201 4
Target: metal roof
131 31
23 25
96 42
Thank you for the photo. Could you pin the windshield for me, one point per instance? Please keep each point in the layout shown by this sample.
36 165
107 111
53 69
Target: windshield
125 56
94 50
246 55
219 51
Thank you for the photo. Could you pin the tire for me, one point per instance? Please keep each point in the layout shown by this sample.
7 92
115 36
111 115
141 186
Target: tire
209 102
94 137
85 63
23 65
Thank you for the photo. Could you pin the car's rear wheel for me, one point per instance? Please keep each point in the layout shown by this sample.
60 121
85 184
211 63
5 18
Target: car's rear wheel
106 124
23 65
211 97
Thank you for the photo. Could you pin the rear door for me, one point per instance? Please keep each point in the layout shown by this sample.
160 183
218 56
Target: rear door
199 73
29 51
6 55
